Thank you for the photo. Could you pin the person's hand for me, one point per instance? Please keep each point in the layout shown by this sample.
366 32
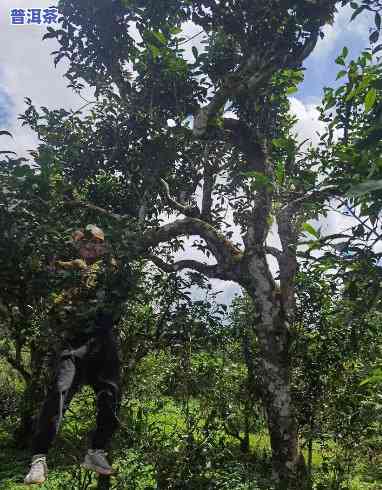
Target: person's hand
76 264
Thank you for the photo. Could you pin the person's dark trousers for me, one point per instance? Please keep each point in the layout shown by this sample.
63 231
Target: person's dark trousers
94 362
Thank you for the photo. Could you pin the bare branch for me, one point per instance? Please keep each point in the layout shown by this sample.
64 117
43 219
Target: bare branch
93 207
324 239
356 217
205 113
210 170
296 59
212 271
247 77
225 252
273 251
321 195
190 211
143 208
208 186
259 222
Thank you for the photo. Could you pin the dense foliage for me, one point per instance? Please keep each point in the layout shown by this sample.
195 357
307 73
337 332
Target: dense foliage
195 139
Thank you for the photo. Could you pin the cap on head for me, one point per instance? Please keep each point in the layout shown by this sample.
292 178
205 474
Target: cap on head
95 232
91 230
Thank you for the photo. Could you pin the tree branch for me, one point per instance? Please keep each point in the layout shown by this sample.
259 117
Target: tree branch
208 186
323 240
249 76
258 222
273 251
212 271
225 252
317 195
98 209
296 59
210 170
190 211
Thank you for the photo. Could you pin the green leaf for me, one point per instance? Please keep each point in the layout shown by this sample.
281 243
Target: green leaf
345 52
309 229
330 103
280 142
160 37
314 245
374 379
370 99
377 20
175 30
49 35
357 12
374 36
280 173
195 52
23 171
291 90
350 95
341 74
154 51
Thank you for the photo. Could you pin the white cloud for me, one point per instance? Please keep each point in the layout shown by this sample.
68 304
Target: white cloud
28 71
342 31
308 124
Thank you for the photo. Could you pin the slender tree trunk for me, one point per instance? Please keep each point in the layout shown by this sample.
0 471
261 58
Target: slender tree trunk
32 398
104 482
23 432
310 452
310 460
244 445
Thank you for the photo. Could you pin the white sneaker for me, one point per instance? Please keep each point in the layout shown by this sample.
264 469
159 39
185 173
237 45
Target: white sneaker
95 460
39 470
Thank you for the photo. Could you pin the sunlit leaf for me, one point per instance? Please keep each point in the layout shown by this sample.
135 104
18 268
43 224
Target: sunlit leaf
370 99
309 229
341 74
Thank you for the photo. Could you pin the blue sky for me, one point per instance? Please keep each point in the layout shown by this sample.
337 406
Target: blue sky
5 108
320 67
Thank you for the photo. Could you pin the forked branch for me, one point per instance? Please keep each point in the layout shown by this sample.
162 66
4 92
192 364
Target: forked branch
190 211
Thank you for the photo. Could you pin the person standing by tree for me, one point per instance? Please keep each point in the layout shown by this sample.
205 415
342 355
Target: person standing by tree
83 315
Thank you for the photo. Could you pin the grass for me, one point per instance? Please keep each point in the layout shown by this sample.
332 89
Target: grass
156 436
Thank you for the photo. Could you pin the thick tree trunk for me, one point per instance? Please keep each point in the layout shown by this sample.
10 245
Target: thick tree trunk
272 365
273 373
